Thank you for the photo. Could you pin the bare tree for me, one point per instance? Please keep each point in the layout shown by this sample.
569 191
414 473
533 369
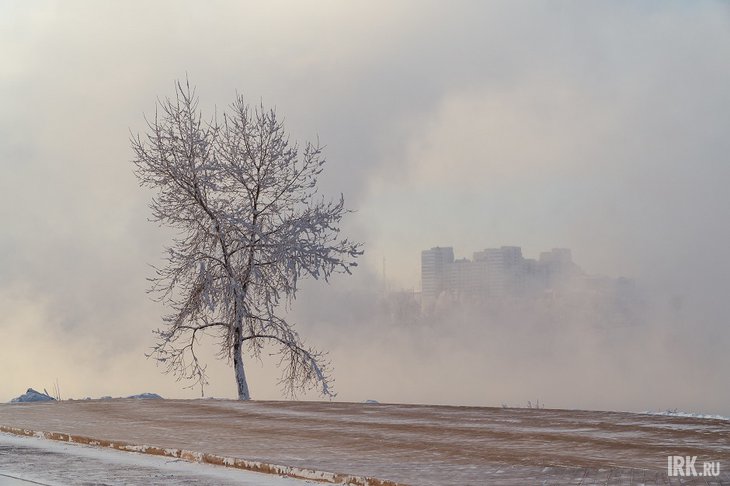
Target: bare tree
250 224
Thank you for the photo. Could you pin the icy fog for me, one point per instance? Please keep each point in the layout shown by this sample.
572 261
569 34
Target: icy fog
598 128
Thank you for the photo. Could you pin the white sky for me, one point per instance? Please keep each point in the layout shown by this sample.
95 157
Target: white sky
596 126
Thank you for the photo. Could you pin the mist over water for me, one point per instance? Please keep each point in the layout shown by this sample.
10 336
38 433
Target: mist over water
600 128
664 353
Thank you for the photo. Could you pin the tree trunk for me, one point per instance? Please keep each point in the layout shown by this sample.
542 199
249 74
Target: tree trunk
241 383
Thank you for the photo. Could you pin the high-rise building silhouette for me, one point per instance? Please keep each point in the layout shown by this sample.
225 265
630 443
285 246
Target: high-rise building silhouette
433 270
493 272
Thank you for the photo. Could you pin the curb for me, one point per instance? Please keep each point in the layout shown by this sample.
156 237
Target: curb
207 458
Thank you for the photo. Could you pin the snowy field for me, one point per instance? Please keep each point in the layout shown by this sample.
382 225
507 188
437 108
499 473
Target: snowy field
407 444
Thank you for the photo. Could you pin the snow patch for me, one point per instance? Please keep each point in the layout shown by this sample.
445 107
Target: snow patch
174 472
675 413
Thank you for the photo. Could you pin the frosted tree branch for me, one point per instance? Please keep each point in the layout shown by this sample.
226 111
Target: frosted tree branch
250 223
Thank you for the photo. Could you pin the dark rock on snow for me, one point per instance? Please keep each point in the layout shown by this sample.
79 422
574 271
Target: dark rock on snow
32 396
146 396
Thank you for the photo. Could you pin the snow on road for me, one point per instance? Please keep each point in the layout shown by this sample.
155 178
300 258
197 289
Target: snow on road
8 480
25 461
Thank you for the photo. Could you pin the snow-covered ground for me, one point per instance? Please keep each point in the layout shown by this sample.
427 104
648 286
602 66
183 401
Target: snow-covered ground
50 462
675 413
408 444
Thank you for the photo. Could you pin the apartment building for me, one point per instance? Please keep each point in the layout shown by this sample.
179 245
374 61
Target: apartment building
493 272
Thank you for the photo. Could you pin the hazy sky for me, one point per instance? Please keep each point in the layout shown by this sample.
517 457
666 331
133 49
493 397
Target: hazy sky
598 126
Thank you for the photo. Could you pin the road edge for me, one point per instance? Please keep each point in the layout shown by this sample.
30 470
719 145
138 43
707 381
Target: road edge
207 458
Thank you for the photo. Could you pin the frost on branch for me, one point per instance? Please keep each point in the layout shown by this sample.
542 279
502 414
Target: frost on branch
250 224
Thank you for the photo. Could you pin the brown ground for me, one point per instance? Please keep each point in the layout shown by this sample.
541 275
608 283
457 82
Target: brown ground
412 444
